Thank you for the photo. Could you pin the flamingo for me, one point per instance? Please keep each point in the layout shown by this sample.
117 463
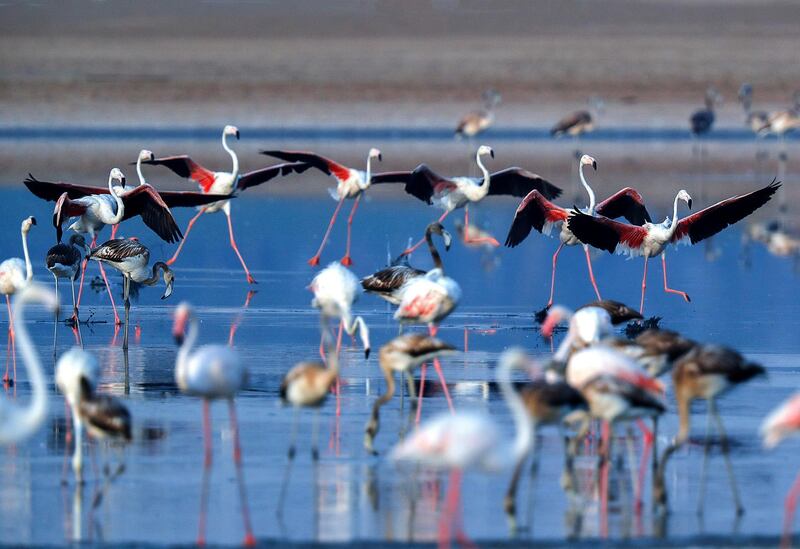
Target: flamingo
537 212
755 120
470 440
705 372
17 423
350 185
335 290
782 422
578 123
15 274
428 300
211 372
458 192
131 258
547 402
476 122
103 416
222 183
64 261
618 311
652 239
388 283
402 354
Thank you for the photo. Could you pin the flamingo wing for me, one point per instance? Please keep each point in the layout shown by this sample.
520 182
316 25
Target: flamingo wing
51 191
251 179
421 183
606 234
519 182
713 219
627 203
534 212
120 249
144 201
323 164
184 166
189 199
66 208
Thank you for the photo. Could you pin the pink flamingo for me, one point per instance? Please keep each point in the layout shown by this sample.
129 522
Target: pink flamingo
779 424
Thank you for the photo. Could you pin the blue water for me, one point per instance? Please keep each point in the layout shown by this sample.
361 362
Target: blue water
349 495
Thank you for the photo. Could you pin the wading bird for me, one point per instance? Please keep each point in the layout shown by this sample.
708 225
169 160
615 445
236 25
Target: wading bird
15 274
388 282
458 192
478 121
403 354
779 424
103 416
211 372
222 183
350 185
16 422
428 300
536 212
706 372
64 261
702 120
470 440
652 239
131 258
755 120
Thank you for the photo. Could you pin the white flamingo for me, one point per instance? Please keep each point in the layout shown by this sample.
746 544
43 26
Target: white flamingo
18 423
15 274
211 372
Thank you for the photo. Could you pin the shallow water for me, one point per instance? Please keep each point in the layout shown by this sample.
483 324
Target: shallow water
744 297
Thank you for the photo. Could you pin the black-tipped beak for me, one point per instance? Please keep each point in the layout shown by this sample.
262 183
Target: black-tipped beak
491 153
179 339
122 180
380 158
366 353
33 220
237 134
690 203
594 165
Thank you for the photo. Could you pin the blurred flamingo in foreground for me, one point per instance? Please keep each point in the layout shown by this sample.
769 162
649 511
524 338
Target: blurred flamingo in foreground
779 424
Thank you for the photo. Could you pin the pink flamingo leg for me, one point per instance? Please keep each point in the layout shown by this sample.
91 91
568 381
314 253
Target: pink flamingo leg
591 273
346 260
648 437
250 278
201 535
668 289
249 538
117 320
114 231
458 522
644 285
238 321
192 221
433 330
482 240
410 250
790 506
421 391
314 261
11 344
447 514
83 271
553 275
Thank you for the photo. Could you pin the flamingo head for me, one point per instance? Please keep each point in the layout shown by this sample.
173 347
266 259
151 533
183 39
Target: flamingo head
590 325
79 241
231 130
146 156
555 316
116 176
683 195
181 317
587 160
484 150
438 228
492 98
375 153
27 223
169 280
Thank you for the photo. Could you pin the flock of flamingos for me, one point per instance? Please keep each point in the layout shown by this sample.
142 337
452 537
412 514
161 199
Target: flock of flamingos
593 378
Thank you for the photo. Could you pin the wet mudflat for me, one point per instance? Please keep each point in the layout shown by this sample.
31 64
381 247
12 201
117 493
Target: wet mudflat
741 296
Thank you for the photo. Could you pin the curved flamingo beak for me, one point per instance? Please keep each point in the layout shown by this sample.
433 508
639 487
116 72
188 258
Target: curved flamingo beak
447 240
689 203
594 165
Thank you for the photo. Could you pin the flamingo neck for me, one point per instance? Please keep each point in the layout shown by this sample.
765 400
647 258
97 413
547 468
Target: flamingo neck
367 176
28 419
234 158
589 190
182 360
120 213
674 222
523 439
154 278
139 172
28 265
484 187
437 259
